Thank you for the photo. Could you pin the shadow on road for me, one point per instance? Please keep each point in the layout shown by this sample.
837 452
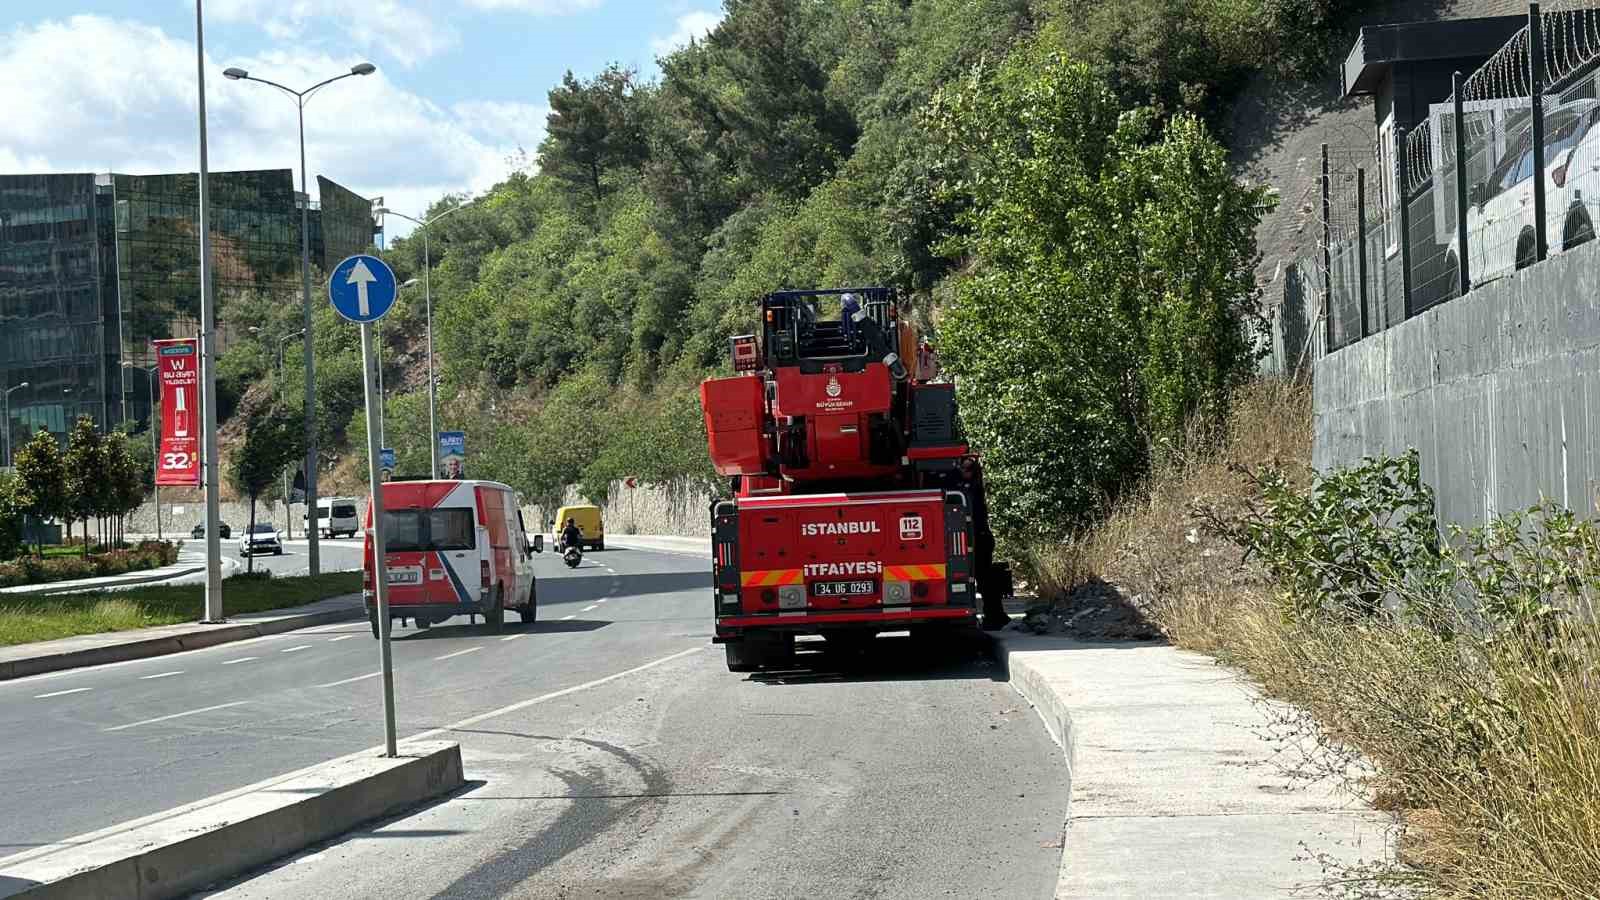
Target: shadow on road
464 630
890 658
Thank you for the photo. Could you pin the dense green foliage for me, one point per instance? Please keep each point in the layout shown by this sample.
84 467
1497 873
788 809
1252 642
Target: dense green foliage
799 144
100 478
1110 301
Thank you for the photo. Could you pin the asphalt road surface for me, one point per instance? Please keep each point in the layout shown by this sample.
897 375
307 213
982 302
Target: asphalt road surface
608 753
342 555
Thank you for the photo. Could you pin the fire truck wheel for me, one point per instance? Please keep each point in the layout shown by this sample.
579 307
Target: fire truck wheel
740 657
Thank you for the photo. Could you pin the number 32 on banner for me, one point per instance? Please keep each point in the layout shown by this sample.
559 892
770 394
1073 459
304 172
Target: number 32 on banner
177 461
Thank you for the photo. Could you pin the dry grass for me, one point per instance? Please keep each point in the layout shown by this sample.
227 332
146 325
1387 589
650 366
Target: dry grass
1488 747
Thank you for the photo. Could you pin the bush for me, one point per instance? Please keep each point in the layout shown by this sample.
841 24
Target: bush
146 555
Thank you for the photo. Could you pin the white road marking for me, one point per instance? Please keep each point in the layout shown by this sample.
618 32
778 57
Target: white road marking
457 653
342 637
240 660
293 649
512 637
162 675
601 600
351 680
589 607
170 814
192 712
61 693
543 698
565 618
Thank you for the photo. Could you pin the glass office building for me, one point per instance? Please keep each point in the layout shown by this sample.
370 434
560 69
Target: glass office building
94 267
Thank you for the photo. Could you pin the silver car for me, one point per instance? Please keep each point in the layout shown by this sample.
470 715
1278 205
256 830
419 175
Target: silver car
261 538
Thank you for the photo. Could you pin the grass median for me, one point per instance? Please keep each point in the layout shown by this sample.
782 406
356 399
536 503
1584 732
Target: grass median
29 619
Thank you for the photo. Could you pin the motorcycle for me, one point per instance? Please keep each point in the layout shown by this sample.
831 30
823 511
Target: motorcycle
572 556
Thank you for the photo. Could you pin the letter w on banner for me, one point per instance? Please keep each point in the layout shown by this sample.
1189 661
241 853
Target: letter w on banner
179 362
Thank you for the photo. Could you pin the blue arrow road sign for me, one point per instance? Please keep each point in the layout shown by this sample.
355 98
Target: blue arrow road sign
362 288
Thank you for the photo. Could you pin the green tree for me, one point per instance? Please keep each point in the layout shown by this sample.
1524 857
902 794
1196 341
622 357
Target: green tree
42 481
1111 297
86 476
594 127
125 477
11 510
272 440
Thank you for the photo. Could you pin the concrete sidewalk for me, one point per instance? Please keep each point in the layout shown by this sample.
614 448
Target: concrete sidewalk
1175 790
21 660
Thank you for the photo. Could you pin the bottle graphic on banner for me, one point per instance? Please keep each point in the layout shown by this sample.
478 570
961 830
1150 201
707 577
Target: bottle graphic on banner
180 415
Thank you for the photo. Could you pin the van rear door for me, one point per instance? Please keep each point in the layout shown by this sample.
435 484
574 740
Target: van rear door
432 555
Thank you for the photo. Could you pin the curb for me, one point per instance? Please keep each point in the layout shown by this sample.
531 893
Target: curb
173 854
66 587
97 656
1034 687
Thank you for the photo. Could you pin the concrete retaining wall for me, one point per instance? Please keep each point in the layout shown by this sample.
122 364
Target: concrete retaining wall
1499 391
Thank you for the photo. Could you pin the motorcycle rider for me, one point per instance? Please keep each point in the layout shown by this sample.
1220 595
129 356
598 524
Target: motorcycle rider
571 535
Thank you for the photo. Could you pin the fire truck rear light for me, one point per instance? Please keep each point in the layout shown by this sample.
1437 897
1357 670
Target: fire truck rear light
730 600
958 588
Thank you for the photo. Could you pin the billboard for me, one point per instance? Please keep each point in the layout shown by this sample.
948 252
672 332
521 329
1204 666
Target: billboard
179 365
452 454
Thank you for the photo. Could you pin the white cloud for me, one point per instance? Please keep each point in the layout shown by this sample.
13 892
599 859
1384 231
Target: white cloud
400 30
538 7
690 27
98 94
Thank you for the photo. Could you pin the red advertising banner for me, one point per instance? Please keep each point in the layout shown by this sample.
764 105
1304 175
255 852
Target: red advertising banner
179 363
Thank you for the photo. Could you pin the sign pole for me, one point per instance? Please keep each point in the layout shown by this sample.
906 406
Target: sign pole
380 575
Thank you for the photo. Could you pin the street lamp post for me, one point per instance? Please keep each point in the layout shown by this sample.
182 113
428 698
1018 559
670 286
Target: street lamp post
8 420
313 557
288 508
427 293
150 426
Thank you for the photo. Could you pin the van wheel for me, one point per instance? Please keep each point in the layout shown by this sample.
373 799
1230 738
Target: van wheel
372 617
530 610
1578 231
600 545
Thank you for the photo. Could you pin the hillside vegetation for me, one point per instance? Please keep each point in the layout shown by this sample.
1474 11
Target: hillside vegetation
1039 180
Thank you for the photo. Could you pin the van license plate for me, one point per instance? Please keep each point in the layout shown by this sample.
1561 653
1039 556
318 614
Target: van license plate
405 576
844 588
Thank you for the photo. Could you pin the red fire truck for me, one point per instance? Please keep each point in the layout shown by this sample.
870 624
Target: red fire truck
857 506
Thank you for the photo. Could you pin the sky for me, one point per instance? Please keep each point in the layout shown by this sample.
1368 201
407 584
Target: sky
461 85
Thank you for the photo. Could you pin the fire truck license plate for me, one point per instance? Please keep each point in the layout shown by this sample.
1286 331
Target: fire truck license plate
844 588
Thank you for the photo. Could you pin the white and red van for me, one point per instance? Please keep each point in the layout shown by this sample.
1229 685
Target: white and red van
453 548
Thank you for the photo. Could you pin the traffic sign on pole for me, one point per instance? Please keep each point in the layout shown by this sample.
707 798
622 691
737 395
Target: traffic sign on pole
362 288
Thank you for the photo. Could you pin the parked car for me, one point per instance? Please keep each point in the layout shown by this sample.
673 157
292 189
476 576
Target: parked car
453 548
263 538
223 530
1500 225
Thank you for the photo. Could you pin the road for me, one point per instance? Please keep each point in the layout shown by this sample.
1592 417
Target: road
342 555
608 753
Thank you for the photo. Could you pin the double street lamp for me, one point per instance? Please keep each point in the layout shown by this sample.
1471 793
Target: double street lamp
300 97
9 391
427 293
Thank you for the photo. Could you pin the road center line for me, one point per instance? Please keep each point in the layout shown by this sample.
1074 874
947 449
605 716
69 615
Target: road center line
589 607
351 680
565 618
293 649
192 712
457 653
512 637
342 637
240 660
61 693
162 675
